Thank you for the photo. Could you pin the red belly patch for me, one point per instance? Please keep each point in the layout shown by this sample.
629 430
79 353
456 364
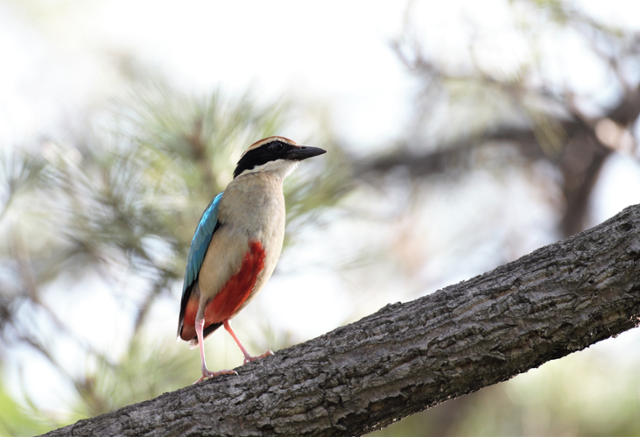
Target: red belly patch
238 288
234 293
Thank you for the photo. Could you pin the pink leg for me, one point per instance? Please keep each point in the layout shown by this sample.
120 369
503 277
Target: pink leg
206 373
247 358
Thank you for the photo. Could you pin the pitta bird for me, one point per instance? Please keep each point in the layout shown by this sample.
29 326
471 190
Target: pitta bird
237 243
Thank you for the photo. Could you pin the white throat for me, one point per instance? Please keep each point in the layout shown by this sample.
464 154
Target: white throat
280 168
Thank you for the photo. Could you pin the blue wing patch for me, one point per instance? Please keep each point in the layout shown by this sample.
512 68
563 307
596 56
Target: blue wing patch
200 243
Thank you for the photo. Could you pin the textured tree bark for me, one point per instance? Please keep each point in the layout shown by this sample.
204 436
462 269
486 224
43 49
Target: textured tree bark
409 357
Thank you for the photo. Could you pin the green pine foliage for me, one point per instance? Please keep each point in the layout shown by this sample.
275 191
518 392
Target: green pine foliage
123 199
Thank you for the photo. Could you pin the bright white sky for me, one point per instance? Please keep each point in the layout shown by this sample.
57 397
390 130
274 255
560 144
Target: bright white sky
333 53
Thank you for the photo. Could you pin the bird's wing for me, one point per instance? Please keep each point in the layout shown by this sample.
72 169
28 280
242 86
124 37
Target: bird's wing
207 226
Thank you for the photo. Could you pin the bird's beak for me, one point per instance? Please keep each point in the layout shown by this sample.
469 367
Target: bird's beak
304 152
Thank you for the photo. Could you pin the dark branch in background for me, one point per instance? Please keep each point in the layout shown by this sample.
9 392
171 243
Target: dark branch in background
580 162
408 357
578 153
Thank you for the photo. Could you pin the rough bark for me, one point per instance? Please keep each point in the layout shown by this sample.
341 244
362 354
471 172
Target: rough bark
411 356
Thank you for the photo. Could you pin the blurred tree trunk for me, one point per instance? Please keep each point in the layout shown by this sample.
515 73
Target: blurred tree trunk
582 154
557 124
409 357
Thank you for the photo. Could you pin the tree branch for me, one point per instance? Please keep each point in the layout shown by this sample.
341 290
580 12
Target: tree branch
409 357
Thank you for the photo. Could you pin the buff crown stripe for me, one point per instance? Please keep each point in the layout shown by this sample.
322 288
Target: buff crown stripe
268 140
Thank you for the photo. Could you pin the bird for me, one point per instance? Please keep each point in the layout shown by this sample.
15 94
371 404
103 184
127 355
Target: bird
237 243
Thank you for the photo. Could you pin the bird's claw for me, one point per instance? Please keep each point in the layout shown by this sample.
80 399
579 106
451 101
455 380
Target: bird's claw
206 373
249 358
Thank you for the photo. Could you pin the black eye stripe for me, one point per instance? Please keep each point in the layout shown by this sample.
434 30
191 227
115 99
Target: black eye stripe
263 154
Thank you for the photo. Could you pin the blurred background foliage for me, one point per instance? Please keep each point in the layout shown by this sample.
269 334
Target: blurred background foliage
498 155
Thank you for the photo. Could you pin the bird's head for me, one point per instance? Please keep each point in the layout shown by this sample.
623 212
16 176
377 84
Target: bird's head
277 155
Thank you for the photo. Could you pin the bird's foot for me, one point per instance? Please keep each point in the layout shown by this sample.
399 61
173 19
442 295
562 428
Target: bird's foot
206 373
248 358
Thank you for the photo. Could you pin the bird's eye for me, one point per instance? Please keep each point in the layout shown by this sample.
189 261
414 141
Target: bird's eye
277 146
